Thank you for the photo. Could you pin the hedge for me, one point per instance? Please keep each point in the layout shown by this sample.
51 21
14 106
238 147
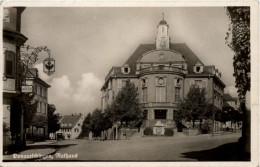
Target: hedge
148 131
168 132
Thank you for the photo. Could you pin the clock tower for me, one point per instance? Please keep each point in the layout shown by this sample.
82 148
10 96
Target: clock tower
162 39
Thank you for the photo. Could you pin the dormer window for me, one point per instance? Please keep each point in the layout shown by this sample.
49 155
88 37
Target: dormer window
177 82
125 69
144 82
198 68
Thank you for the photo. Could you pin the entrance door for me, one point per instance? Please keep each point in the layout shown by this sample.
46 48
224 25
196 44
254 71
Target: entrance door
160 114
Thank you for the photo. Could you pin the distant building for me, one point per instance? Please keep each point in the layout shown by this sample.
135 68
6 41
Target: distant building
12 40
70 126
231 101
163 72
39 129
230 104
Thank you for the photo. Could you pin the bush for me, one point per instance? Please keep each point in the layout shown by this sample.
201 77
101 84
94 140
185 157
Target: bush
168 132
148 131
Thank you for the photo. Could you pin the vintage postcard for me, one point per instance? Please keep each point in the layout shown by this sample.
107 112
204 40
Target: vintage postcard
138 84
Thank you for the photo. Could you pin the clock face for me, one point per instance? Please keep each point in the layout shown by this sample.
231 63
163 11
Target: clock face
161 81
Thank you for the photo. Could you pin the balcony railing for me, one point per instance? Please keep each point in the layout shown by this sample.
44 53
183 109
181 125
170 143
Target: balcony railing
162 69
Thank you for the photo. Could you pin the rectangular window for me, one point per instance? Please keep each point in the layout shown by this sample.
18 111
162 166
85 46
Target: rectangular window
39 107
198 83
44 108
177 94
144 95
43 92
40 91
204 84
161 67
119 84
9 63
123 83
160 94
174 114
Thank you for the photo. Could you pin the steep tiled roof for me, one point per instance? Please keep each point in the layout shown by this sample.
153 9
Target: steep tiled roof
69 121
226 105
227 97
182 48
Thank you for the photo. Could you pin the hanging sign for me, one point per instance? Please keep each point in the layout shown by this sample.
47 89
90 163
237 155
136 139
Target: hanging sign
27 89
49 66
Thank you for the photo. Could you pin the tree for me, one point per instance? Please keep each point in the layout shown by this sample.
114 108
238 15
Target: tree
234 116
30 108
192 108
126 107
97 122
86 126
107 118
239 31
53 119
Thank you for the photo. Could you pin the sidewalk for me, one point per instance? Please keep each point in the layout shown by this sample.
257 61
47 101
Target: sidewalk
46 142
33 151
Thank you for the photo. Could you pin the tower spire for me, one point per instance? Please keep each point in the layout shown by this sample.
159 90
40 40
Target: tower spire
162 39
163 15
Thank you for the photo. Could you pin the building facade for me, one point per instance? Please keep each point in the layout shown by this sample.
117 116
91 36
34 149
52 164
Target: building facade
70 126
163 73
12 40
39 128
231 103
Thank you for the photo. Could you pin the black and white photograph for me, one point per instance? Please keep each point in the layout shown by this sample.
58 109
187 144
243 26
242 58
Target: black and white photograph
153 83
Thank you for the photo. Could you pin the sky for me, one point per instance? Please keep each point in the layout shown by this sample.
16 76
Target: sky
87 41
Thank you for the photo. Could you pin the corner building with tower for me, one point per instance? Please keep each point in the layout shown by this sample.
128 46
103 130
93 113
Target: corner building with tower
163 72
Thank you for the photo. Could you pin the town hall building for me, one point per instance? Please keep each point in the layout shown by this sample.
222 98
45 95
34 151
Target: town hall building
163 72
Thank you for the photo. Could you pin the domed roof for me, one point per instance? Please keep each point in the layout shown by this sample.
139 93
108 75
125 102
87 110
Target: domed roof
163 22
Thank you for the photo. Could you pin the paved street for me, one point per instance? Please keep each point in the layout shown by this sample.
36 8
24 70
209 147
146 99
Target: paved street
192 148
